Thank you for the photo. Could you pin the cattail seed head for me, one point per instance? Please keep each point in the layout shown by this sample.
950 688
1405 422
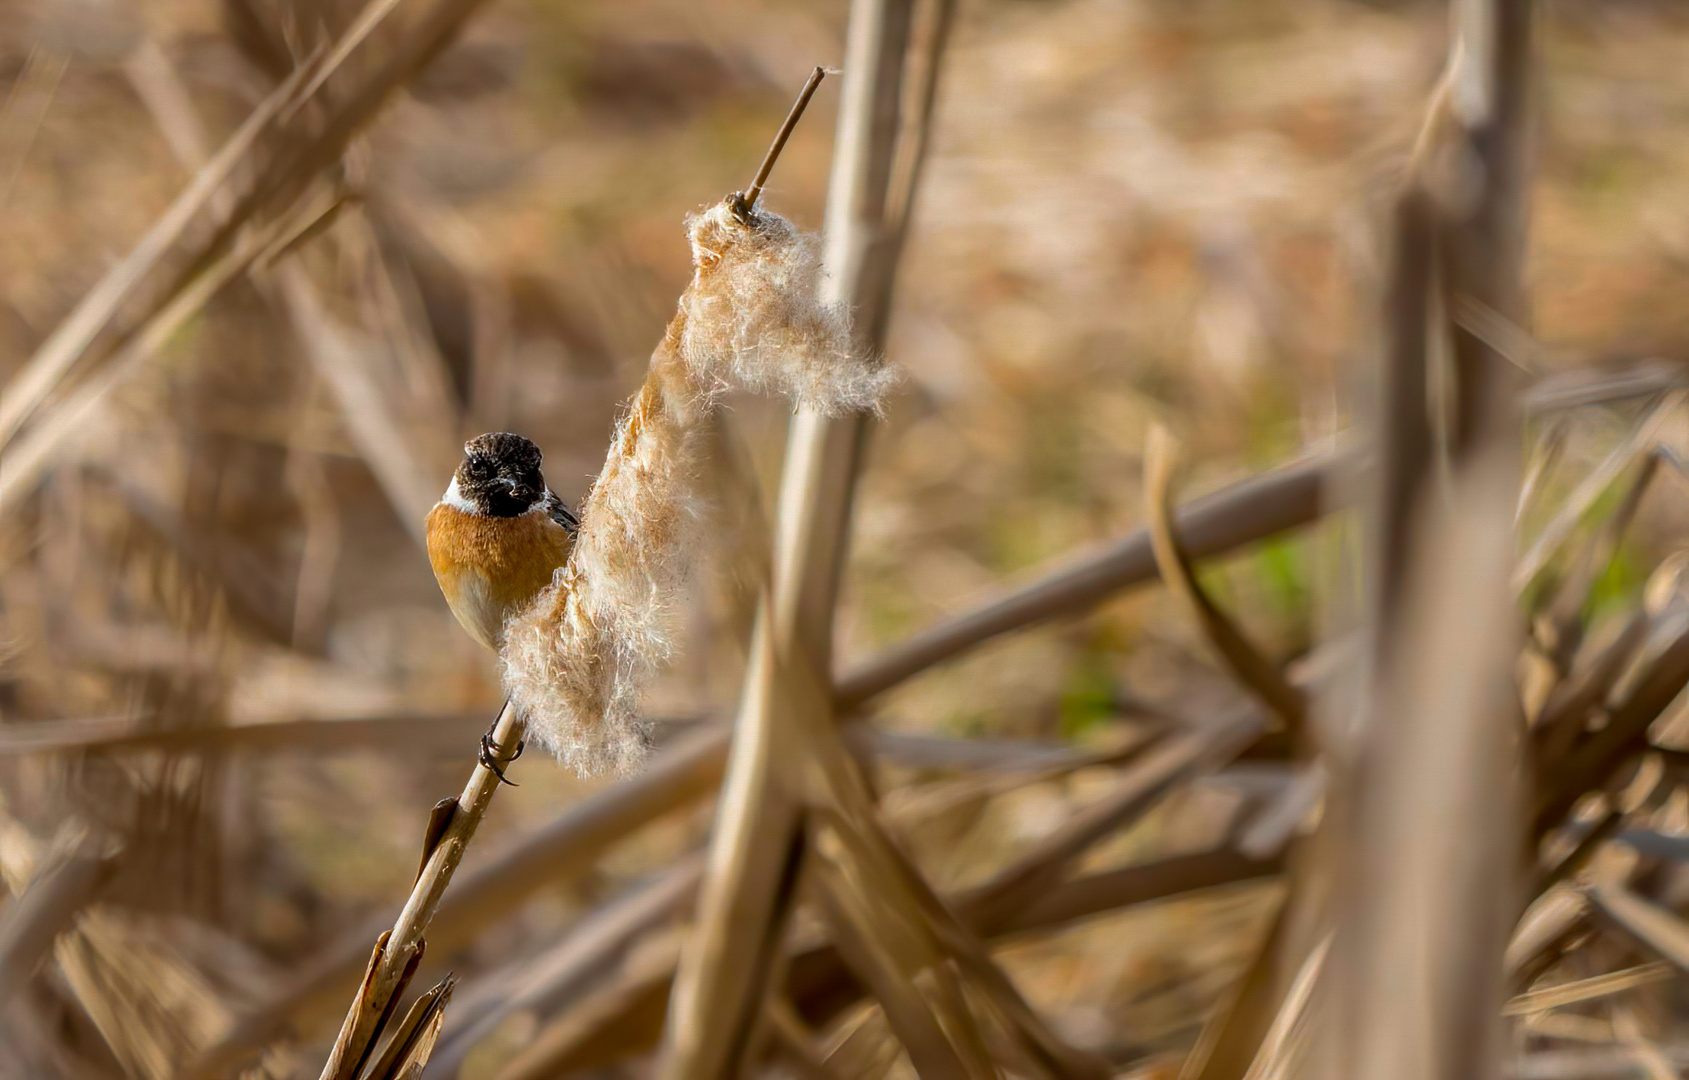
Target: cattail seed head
577 660
755 319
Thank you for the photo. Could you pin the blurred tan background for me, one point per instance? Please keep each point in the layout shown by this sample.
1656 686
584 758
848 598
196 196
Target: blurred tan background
1135 210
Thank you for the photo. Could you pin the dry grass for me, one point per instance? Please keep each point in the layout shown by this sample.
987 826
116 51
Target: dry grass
1389 781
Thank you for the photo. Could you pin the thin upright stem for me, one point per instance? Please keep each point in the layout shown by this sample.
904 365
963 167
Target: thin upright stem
754 192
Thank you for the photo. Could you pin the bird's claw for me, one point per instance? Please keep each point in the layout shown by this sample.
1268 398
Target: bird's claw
490 758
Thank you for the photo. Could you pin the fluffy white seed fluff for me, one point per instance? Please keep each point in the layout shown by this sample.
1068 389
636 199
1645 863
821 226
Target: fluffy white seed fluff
754 316
578 659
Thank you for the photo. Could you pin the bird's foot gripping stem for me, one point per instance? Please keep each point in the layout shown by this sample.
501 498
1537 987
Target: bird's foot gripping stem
489 756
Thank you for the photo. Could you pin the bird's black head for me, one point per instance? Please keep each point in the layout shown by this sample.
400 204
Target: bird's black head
500 474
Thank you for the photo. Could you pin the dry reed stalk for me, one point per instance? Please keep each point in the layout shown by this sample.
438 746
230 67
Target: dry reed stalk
723 976
1646 1052
1564 781
1554 535
996 776
1543 933
75 417
24 111
1260 675
1233 1043
1580 387
1574 861
63 883
1234 1038
1545 455
423 734
795 1039
1404 419
1559 626
1244 513
885 912
1560 723
555 979
149 1002
1138 883
1591 988
865 1047
31 455
1656 929
298 162
751 872
600 1029
412 1046
67 343
366 405
862 942
1284 1043
1035 1041
278 188
821 986
1431 885
1439 886
1018 885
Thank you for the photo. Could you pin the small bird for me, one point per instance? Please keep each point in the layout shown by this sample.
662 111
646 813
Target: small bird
495 538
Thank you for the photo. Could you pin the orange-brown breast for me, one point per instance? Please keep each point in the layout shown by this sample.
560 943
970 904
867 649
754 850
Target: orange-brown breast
492 567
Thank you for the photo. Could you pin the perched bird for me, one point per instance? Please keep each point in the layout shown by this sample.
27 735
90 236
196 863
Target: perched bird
495 538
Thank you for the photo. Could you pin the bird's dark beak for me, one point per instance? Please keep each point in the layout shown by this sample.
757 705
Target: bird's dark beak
519 491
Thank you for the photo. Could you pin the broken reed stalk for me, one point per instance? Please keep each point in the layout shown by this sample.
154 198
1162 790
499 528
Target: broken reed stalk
413 1041
400 949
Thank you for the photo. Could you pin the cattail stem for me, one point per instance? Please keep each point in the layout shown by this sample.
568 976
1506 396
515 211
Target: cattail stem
748 198
399 950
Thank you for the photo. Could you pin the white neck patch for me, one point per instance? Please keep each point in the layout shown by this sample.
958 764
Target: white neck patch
454 498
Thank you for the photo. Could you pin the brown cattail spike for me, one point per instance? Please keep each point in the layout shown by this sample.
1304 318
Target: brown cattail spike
748 198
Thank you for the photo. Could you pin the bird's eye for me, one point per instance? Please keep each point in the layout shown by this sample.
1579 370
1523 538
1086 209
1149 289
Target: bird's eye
480 468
